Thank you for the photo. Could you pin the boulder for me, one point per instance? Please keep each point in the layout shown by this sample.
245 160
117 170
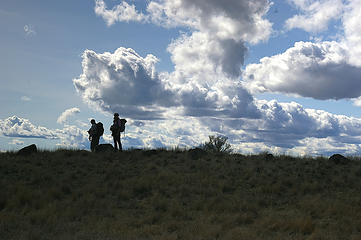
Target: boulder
28 150
104 148
339 159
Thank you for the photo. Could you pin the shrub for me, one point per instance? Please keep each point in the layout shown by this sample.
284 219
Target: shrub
217 144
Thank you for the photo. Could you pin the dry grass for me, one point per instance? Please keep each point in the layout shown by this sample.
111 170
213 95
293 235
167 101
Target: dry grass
158 194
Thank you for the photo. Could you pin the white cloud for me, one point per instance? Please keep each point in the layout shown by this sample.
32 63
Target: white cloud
121 12
352 30
16 127
20 127
316 14
207 61
317 70
123 82
25 98
282 128
203 95
290 128
66 114
231 19
321 70
72 136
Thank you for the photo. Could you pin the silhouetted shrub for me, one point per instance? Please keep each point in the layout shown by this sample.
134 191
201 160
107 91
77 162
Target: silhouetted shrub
217 144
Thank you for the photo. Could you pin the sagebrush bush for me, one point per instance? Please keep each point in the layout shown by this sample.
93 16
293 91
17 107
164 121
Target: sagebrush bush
217 144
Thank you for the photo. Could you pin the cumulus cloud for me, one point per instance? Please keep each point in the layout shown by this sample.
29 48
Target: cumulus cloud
231 19
20 127
127 83
321 70
282 128
316 15
66 114
121 12
207 61
317 70
352 29
123 82
204 96
73 137
16 127
287 127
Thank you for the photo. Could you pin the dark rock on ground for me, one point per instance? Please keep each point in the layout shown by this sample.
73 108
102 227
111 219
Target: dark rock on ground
28 150
339 159
104 148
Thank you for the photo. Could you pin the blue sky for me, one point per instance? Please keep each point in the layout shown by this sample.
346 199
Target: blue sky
278 76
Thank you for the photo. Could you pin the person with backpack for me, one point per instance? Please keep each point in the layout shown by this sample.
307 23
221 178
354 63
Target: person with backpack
95 132
93 136
117 127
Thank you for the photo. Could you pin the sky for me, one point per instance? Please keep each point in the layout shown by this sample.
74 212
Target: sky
276 76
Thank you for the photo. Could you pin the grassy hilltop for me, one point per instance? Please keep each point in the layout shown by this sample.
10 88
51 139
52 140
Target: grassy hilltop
160 194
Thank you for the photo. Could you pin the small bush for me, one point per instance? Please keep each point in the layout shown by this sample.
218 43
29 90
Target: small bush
217 144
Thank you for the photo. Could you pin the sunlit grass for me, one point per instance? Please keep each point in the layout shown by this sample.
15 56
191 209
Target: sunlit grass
168 194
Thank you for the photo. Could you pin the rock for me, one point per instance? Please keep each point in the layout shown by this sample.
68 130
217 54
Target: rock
104 148
196 153
339 159
28 150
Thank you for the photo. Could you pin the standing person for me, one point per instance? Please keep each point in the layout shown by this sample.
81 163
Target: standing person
115 128
93 135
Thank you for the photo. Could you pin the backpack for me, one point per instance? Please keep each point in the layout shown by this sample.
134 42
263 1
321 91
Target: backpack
118 127
100 129
122 125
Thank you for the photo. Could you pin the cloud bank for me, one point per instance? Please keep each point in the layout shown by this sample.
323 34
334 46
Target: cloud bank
204 94
20 127
17 127
320 70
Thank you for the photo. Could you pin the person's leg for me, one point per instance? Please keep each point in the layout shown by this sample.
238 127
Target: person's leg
120 144
92 145
115 142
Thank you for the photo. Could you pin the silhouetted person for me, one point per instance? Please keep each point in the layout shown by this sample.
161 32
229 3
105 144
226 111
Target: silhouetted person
115 128
93 135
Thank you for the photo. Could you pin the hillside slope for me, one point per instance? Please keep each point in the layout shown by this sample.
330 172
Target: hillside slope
173 195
